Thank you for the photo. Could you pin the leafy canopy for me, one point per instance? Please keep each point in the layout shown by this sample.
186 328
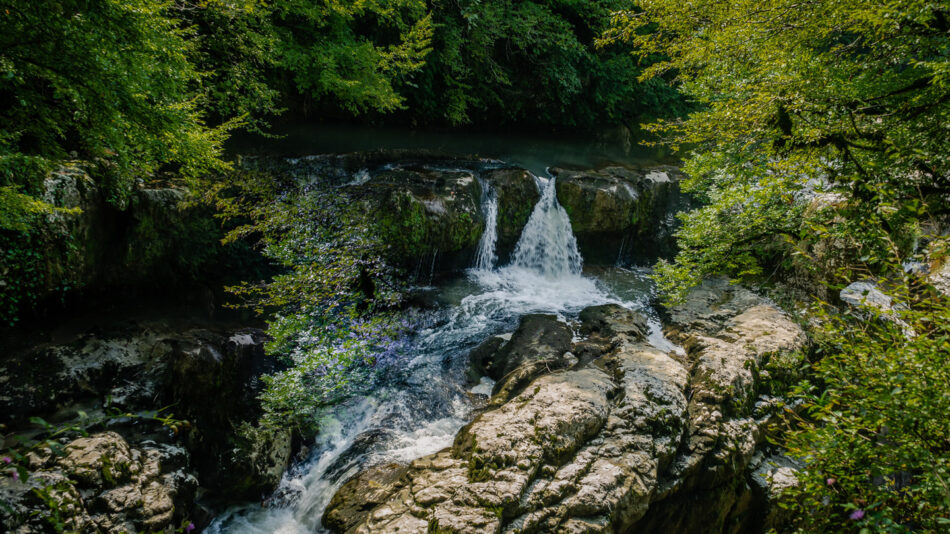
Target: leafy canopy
532 62
850 97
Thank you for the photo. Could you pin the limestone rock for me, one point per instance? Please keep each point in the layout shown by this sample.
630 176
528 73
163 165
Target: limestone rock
369 489
635 440
104 484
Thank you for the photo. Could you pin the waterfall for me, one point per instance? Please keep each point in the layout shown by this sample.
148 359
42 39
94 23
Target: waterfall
547 245
485 258
419 408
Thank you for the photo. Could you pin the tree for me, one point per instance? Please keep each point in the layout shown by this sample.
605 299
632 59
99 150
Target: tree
826 122
852 97
352 53
532 62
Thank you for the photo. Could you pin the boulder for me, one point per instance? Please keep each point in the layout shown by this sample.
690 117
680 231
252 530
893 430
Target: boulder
611 321
621 213
539 345
538 337
101 483
939 277
636 440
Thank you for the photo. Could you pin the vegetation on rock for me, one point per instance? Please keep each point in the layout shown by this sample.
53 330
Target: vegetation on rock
822 139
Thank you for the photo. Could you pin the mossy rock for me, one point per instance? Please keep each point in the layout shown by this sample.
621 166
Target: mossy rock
422 213
621 213
517 195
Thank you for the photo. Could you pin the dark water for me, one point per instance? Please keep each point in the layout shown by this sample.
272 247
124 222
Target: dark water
534 152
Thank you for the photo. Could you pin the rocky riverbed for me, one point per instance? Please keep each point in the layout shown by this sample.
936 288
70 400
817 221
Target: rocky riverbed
557 403
612 434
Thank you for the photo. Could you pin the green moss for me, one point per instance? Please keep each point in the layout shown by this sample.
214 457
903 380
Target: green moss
413 232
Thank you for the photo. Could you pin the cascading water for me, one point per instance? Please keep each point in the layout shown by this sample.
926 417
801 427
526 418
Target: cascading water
485 258
547 245
419 408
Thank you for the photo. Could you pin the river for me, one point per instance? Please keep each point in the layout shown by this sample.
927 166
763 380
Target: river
418 409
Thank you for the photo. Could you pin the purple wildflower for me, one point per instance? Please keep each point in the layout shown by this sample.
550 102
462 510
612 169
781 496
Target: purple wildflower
857 515
15 474
190 527
831 481
7 459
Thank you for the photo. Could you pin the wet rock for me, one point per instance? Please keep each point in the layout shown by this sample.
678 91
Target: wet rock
517 192
369 489
636 440
104 484
427 205
214 381
611 321
483 356
538 337
539 346
621 213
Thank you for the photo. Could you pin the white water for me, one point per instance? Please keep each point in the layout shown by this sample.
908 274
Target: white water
547 245
486 258
420 408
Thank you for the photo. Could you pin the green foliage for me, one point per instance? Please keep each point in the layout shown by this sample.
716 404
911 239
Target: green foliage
331 304
851 98
235 47
105 79
352 52
532 62
822 138
874 431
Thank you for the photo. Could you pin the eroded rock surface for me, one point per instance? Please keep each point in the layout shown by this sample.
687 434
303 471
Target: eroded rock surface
101 483
636 439
208 376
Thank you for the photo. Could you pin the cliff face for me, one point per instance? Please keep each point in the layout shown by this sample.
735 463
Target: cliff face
150 242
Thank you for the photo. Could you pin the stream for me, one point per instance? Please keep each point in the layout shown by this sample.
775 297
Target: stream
418 409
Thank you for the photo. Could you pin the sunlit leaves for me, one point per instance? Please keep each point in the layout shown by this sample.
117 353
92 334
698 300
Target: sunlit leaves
331 306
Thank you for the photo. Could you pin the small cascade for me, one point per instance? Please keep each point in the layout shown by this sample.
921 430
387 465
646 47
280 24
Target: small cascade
547 245
485 258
